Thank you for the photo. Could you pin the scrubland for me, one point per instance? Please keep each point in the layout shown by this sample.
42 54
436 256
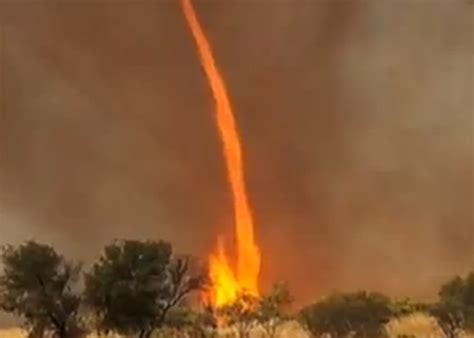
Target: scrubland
417 325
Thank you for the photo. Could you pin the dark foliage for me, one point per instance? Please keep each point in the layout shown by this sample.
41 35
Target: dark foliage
360 314
134 285
36 285
455 309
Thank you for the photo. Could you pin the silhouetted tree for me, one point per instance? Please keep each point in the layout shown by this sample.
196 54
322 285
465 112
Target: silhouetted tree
359 314
455 309
135 284
450 318
248 311
240 314
36 285
270 312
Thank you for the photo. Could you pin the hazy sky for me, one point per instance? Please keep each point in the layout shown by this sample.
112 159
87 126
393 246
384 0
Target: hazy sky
356 118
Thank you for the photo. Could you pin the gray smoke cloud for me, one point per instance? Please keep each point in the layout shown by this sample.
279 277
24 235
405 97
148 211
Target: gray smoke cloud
356 118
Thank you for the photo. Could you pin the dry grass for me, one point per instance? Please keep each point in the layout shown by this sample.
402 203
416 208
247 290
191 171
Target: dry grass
417 325
11 333
18 333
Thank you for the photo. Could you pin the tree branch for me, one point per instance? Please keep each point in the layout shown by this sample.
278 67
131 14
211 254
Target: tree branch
56 322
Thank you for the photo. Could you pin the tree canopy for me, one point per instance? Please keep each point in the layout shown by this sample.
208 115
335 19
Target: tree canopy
37 285
360 314
134 284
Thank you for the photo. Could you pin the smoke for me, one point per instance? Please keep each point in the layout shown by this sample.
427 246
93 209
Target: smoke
356 118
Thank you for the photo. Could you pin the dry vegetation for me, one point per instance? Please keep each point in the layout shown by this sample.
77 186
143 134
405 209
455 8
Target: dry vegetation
356 314
417 325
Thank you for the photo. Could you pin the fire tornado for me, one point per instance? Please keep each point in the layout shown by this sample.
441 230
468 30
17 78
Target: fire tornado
228 283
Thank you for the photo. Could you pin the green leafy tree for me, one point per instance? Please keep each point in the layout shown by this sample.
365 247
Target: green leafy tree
37 285
359 314
135 284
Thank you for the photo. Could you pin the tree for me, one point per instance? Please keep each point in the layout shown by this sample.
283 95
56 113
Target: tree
241 314
271 308
360 314
450 318
179 282
469 301
37 285
405 307
134 285
248 311
455 309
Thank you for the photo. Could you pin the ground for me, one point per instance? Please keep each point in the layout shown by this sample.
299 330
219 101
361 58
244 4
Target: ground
417 326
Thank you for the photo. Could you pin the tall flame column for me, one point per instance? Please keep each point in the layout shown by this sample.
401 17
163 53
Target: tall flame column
228 283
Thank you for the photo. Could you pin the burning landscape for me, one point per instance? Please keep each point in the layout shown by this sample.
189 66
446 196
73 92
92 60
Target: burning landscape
245 169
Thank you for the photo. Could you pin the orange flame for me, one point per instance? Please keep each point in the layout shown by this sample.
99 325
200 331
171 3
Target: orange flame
227 283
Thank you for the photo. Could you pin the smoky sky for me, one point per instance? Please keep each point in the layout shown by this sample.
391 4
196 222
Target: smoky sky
356 119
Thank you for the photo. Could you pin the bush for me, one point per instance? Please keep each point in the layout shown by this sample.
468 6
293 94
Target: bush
360 314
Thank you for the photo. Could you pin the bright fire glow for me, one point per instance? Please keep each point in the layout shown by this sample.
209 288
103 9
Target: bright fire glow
227 283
